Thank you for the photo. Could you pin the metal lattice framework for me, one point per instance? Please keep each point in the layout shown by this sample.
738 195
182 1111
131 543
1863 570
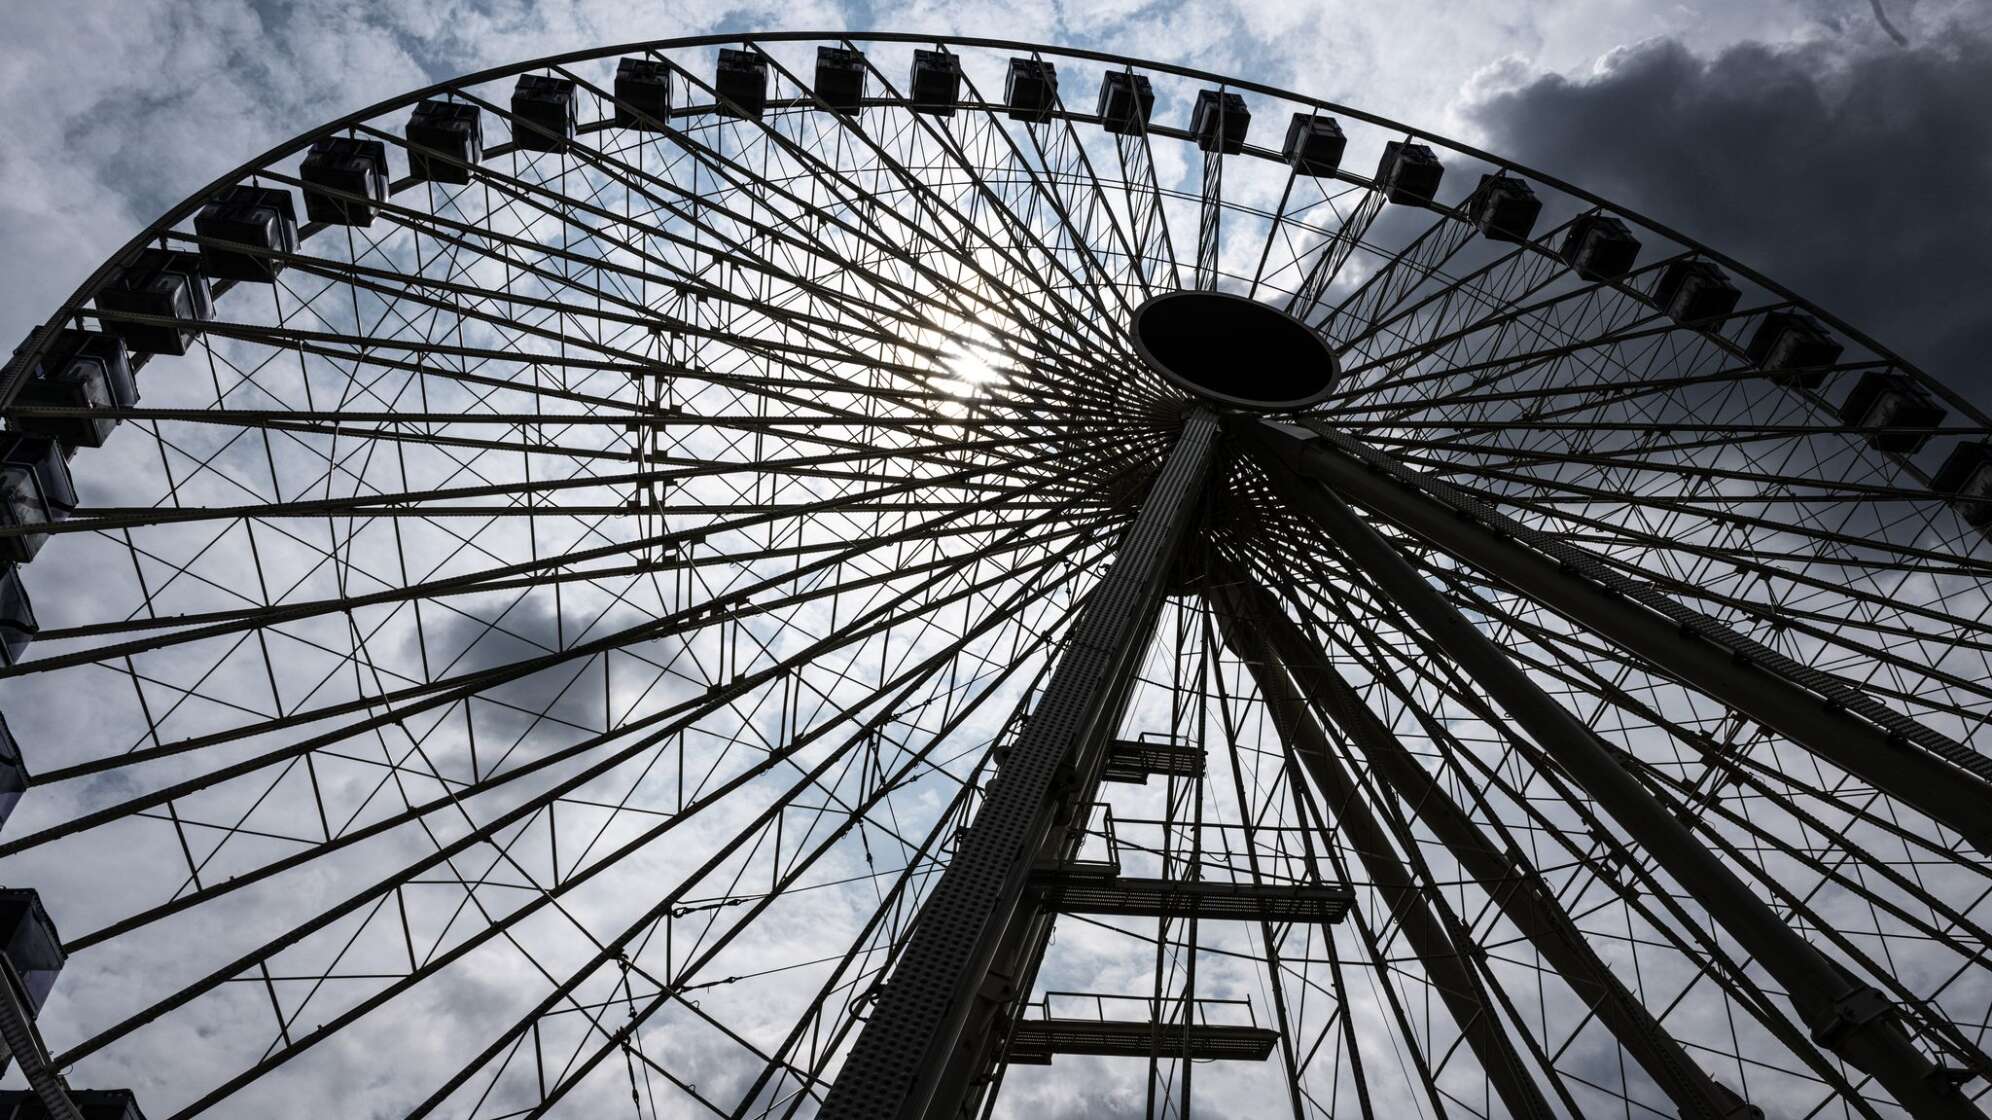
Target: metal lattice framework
692 604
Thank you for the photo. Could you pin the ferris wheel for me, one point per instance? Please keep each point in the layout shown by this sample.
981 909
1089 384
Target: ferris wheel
874 576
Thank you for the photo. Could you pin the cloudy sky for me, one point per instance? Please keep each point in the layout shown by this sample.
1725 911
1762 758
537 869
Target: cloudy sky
1839 145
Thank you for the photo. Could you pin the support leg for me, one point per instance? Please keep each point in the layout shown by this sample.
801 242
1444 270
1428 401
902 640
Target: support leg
1443 957
1524 899
1850 1018
1902 759
937 1023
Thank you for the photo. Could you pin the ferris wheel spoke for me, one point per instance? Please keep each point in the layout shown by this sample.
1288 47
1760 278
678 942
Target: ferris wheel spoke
370 507
1599 372
1629 392
1607 861
1459 690
1701 538
1019 597
1567 501
737 898
889 904
1652 458
605 569
1099 288
1701 797
423 696
1099 334
682 713
1743 913
1275 230
787 353
1605 343
1432 931
1693 801
1401 273
1233 730
1299 276
858 314
1534 911
514 577
1737 432
1937 778
855 205
1477 593
1424 329
793 357
1496 294
1589 684
1210 214
324 343
1066 162
921 862
944 218
720 616
1141 192
1740 551
741 421
736 252
1333 253
1774 610
753 830
687 471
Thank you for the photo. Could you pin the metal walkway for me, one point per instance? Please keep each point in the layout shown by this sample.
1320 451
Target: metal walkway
1131 761
1033 1042
1096 889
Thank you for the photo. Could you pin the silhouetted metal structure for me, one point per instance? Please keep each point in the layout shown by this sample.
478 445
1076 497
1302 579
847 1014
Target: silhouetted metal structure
693 561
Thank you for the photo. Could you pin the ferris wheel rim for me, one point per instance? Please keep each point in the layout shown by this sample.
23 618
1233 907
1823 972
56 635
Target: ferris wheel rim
14 372
1254 561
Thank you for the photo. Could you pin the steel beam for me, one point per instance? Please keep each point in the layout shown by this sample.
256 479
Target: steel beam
1827 717
23 1042
1210 217
936 1026
1333 255
1246 621
1848 1017
1275 649
1146 221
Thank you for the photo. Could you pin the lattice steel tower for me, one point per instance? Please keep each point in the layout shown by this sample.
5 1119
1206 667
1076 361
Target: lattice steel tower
874 577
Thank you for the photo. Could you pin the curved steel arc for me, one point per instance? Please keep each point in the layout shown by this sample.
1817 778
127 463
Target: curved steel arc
9 386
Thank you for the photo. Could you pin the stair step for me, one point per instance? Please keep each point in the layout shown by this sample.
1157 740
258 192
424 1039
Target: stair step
1131 761
1095 890
1036 1041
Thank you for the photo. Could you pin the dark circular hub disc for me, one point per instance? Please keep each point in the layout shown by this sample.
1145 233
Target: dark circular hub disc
1234 350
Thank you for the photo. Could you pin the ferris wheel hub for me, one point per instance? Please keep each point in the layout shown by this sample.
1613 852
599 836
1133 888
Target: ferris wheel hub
1234 351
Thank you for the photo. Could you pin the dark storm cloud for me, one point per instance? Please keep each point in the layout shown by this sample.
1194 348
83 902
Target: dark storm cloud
567 697
1857 179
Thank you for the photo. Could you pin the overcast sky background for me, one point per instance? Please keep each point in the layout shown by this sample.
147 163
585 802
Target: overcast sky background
1841 148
